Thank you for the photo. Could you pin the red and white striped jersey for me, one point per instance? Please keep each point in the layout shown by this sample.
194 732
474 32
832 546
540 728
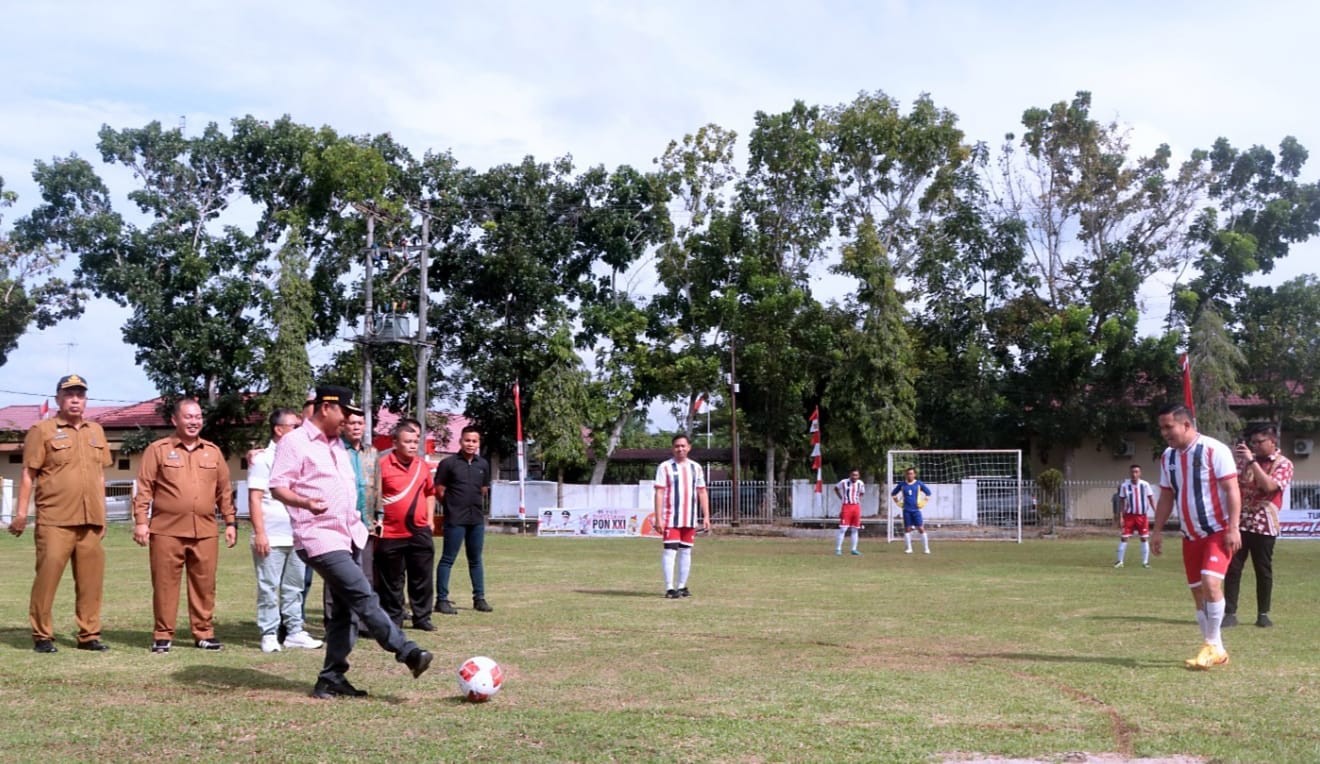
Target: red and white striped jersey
1135 498
680 482
1195 475
851 490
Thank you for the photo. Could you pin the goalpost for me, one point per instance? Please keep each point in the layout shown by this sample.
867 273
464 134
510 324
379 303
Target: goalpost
981 490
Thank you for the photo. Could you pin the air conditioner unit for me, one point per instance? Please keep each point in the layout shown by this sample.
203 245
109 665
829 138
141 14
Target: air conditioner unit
1303 446
1125 448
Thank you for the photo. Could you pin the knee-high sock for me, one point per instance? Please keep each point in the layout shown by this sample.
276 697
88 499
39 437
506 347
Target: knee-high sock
1122 550
907 539
1204 623
855 534
1145 552
1214 616
667 565
838 542
684 565
925 541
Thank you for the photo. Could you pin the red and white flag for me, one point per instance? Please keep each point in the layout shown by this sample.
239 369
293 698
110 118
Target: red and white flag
1186 364
522 455
700 405
45 409
815 447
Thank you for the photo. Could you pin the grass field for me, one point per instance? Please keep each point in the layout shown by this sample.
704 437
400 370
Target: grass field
785 653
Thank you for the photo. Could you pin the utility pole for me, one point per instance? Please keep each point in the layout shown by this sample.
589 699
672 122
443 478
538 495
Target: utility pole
423 349
369 332
733 425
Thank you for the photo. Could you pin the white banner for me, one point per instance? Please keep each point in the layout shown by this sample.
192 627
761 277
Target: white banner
595 523
1299 524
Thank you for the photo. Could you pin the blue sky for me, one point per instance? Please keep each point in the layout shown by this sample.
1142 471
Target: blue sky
613 82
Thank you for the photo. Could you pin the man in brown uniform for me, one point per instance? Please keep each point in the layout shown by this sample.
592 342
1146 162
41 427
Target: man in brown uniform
182 480
65 458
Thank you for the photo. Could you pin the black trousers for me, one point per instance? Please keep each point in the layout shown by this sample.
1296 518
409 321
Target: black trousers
406 563
1261 549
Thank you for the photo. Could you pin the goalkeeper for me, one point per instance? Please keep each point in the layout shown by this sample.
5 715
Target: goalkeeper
914 496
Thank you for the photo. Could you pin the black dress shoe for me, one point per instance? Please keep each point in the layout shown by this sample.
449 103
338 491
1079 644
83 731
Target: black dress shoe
326 689
423 626
209 644
95 645
419 661
480 603
447 608
44 646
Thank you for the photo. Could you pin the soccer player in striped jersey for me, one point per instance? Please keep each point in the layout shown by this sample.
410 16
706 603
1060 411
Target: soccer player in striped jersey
680 488
850 491
1136 499
1198 476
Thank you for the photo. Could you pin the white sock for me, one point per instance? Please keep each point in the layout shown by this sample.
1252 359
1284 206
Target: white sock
907 539
854 539
1214 616
925 541
684 565
1145 552
1122 550
667 565
1204 623
838 542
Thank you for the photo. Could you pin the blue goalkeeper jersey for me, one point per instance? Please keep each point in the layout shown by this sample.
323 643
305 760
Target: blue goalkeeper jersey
910 494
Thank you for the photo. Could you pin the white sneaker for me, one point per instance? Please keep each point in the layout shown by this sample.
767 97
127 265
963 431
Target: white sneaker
302 639
908 550
270 643
927 551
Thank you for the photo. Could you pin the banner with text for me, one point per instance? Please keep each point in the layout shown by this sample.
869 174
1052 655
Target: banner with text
1299 524
595 523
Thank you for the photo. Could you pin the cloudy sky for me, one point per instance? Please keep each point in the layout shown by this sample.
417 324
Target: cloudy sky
613 82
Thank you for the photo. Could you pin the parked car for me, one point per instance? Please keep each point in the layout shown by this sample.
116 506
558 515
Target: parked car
997 502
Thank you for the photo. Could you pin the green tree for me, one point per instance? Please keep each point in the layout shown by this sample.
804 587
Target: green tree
31 294
558 418
1280 338
287 367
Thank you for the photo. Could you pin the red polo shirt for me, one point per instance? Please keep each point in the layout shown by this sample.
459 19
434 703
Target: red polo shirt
403 491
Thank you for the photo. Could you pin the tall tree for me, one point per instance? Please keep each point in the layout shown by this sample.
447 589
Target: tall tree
558 418
1280 338
31 294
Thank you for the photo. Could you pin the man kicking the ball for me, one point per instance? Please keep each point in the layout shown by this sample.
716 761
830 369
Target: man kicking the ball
914 498
680 487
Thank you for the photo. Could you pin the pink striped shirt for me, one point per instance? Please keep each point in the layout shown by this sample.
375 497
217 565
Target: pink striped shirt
316 467
1195 476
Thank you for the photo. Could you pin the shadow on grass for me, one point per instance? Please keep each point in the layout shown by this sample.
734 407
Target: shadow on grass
1142 619
616 593
232 678
1105 660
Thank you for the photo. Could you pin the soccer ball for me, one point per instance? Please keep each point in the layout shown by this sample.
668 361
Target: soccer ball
480 678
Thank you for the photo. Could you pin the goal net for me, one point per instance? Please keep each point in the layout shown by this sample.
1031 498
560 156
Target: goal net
972 489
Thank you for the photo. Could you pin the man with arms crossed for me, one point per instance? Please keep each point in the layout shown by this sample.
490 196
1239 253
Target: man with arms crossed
1135 499
183 479
680 487
64 458
850 491
1199 477
279 571
313 477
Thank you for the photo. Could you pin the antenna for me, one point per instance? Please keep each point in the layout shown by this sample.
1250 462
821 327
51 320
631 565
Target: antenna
68 353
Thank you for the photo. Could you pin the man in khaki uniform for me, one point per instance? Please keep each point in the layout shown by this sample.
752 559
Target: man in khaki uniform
65 458
183 480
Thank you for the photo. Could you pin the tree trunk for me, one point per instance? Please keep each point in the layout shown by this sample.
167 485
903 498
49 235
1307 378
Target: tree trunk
1069 460
603 463
559 488
767 499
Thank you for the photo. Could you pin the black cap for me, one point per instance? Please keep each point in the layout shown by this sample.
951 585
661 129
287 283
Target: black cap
341 396
70 380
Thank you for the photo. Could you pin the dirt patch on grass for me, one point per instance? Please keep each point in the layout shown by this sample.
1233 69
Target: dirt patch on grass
1073 757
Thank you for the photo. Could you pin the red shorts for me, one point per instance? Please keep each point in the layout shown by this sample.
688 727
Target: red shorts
850 516
680 536
1136 525
1205 557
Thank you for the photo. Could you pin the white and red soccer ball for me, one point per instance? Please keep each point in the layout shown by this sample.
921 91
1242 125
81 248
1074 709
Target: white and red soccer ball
480 678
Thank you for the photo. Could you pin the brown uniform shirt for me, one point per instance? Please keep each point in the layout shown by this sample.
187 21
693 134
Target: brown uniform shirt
183 488
70 463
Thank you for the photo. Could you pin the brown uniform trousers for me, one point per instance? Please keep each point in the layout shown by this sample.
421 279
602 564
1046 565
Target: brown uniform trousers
69 464
183 488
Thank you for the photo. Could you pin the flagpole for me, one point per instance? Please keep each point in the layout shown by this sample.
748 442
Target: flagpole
522 459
